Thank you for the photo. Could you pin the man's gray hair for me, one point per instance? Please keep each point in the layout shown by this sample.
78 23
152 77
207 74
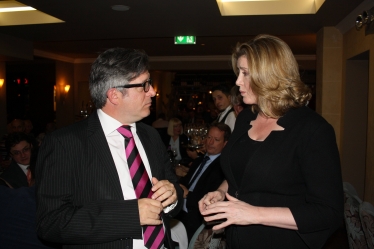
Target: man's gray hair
115 67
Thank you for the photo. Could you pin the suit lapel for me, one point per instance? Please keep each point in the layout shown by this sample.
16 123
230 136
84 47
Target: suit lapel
192 170
211 166
148 146
96 138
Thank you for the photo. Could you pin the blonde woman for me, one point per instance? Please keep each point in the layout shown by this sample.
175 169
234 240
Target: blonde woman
178 141
283 186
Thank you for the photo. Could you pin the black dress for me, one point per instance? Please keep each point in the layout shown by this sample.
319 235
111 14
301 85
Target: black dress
298 168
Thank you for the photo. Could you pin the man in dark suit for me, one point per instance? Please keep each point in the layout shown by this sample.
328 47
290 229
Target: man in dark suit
85 190
205 175
17 216
19 147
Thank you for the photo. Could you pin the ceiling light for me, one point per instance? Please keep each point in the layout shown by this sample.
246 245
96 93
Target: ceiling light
14 9
120 7
268 7
16 13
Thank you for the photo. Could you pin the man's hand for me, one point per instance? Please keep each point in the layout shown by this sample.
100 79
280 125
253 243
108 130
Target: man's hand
149 211
164 192
181 170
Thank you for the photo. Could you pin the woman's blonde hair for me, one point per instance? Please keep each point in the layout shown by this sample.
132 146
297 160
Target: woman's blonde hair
172 122
274 75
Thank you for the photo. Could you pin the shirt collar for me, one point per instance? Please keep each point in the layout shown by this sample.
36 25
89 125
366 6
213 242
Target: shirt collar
226 110
213 157
111 124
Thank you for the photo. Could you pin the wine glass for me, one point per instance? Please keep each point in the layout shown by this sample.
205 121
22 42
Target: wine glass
174 153
187 131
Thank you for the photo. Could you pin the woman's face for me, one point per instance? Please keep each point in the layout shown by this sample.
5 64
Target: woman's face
244 82
177 129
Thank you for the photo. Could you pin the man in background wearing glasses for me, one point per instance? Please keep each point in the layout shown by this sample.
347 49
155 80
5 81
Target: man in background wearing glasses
85 193
18 146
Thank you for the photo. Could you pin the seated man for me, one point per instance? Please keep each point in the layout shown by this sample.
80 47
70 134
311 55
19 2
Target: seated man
205 175
18 216
19 146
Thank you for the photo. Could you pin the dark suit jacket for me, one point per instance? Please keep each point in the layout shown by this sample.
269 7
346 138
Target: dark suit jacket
209 181
17 219
14 176
298 168
80 200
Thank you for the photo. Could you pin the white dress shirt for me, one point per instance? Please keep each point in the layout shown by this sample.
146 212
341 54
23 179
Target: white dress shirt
174 145
23 167
116 144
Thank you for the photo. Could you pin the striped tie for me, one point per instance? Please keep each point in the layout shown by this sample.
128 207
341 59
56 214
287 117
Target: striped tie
153 235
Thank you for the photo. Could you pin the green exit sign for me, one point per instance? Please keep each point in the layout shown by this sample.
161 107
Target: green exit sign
184 40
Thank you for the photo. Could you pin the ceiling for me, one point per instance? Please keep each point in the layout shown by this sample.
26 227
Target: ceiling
91 26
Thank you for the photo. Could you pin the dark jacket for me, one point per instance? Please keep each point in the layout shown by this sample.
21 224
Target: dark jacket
209 181
183 142
298 168
17 219
14 176
80 200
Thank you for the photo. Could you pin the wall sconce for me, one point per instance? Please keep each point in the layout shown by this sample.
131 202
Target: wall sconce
1 83
67 88
366 18
65 93
157 94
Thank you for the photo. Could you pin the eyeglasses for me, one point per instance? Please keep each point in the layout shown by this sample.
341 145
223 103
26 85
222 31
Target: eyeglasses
19 152
146 85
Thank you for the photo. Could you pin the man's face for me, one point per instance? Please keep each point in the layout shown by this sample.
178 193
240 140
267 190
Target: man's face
28 126
136 103
17 126
214 141
221 101
21 153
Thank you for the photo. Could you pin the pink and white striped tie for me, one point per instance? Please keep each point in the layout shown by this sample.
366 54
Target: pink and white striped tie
153 235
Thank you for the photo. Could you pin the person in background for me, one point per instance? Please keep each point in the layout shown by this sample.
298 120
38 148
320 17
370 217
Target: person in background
50 127
18 213
20 148
178 142
89 192
17 125
205 175
29 127
236 100
221 98
283 184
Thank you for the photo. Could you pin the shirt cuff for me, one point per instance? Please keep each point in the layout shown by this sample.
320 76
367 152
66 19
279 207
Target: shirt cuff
170 207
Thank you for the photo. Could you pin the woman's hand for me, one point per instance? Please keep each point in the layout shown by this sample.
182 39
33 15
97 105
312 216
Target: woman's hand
232 211
238 212
210 198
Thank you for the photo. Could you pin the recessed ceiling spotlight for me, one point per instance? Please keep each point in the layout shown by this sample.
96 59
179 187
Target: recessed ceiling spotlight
120 7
